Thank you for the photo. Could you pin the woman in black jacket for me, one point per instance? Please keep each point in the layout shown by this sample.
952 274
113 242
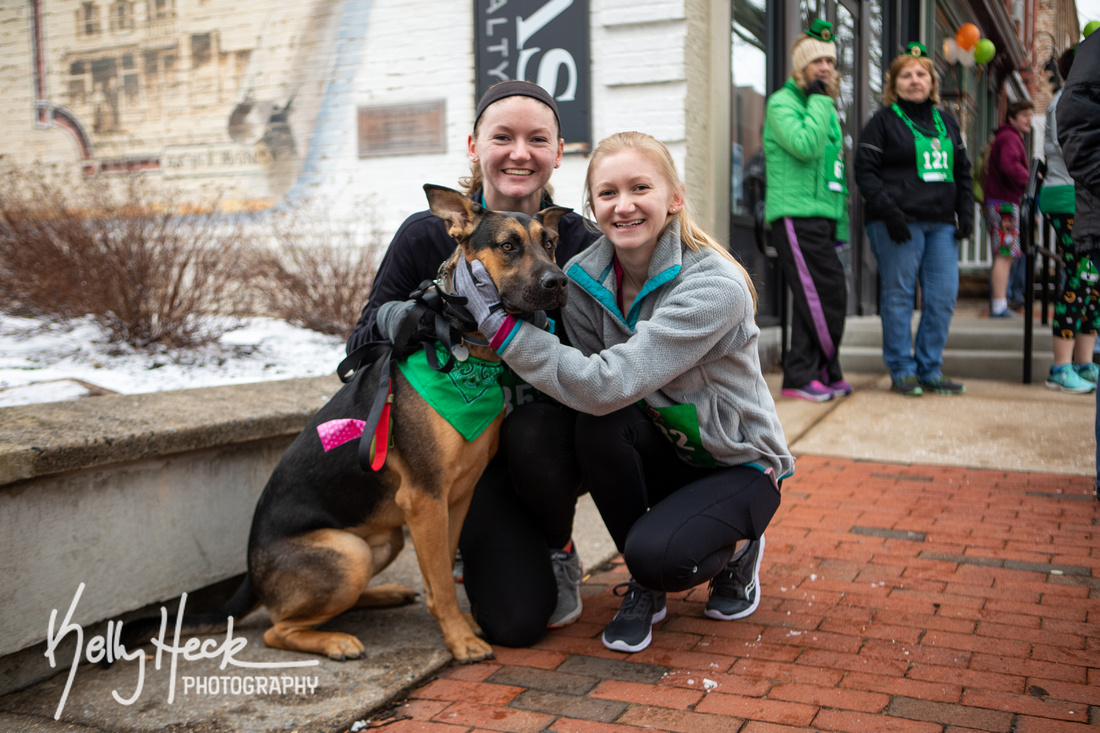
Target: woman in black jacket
521 571
913 173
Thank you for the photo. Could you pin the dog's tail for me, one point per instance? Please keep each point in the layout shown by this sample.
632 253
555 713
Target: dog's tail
243 601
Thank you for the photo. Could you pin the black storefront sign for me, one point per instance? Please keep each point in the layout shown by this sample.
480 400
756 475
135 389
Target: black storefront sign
544 41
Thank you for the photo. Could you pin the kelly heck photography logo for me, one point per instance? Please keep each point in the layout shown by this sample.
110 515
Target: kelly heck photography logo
109 648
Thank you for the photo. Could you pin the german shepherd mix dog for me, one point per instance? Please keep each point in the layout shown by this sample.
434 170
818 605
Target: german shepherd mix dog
324 525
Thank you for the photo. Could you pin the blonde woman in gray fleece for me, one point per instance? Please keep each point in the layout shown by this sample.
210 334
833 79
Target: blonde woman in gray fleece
680 445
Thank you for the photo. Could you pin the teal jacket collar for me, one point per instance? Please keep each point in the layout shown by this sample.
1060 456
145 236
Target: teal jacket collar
593 270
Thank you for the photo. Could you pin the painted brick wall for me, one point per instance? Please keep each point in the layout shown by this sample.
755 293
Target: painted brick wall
161 92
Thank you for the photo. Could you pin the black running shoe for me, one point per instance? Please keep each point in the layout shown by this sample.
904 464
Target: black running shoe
907 386
632 628
942 385
735 592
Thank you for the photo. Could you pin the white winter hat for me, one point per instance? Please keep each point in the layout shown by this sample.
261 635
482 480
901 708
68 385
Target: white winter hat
815 44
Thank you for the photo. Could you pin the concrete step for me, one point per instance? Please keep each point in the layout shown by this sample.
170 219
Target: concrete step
966 333
997 364
977 347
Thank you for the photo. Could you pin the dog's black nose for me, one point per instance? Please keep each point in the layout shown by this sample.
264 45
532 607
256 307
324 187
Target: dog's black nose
553 280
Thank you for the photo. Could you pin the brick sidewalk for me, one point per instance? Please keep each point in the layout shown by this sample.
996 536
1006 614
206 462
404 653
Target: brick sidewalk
895 598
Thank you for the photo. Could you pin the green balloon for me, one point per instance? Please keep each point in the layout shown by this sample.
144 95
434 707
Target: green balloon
984 51
1090 27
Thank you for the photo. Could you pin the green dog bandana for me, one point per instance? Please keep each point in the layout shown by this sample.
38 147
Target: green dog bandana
469 396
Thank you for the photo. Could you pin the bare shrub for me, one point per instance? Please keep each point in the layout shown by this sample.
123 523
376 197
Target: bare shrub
148 268
318 273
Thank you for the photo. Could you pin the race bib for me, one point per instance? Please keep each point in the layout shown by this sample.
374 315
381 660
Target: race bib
835 180
935 157
680 424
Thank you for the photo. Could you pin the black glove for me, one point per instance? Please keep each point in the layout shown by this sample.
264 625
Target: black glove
816 87
537 319
896 226
964 231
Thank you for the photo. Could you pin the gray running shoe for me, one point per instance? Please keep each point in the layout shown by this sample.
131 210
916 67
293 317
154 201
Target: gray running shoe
735 592
632 628
568 573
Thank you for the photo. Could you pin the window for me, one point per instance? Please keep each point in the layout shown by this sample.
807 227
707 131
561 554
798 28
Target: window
87 20
131 86
200 50
78 83
749 72
122 16
162 9
873 45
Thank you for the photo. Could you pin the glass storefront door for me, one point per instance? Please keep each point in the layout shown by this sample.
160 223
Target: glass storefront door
761 36
751 47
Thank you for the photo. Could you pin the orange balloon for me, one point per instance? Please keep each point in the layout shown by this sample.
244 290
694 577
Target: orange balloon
967 36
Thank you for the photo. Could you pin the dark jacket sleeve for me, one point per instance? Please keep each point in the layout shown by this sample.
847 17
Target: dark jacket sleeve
415 254
964 181
575 234
1078 116
870 154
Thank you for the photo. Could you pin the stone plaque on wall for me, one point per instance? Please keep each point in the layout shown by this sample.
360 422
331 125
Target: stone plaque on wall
402 129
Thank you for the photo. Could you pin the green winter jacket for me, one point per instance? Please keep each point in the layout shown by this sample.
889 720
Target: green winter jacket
797 132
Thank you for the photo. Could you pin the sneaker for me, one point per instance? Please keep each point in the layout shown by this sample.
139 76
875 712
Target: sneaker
632 628
568 573
735 592
1006 313
942 385
907 386
840 387
1088 372
815 391
1068 380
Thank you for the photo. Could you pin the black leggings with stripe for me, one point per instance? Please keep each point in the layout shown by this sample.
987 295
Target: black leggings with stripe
807 254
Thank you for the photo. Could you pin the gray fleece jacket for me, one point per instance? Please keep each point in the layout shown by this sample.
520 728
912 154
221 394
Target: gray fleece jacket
690 337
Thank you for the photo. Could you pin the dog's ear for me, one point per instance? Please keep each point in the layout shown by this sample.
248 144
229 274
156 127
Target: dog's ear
460 213
549 218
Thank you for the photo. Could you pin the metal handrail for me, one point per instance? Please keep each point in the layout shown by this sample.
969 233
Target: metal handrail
1027 243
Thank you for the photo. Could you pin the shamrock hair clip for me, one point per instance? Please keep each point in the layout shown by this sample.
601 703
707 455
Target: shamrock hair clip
822 30
916 49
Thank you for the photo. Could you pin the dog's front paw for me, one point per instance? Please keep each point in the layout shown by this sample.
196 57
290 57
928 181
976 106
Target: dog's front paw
472 649
341 647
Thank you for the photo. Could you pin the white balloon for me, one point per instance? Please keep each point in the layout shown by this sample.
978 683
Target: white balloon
966 58
951 50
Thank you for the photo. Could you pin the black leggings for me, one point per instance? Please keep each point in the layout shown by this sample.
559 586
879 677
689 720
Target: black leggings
819 290
522 507
677 525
